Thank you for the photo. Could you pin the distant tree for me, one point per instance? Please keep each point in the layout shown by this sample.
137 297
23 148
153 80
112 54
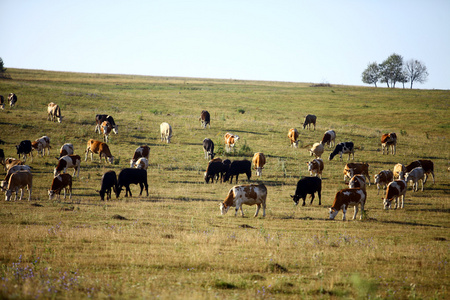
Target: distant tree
371 74
2 69
415 71
391 70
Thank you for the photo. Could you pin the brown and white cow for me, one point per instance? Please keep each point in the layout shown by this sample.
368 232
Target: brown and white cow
230 141
357 181
315 167
142 163
309 119
66 149
205 118
19 180
389 140
293 137
12 98
426 164
99 148
68 161
416 175
106 129
60 182
12 170
99 119
141 151
259 160
347 198
396 189
166 132
248 194
329 138
54 112
317 150
352 169
383 179
399 171
41 144
11 162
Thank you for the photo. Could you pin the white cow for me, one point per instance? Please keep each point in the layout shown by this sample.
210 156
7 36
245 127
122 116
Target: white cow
166 132
415 175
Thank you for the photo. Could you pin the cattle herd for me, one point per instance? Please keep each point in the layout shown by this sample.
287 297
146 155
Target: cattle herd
19 175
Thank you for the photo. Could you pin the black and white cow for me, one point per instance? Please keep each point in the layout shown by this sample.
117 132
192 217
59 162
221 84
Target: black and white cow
305 186
99 119
131 176
24 148
12 98
343 148
208 148
238 167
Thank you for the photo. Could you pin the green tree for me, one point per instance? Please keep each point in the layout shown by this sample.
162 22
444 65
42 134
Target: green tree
2 69
371 74
416 71
391 70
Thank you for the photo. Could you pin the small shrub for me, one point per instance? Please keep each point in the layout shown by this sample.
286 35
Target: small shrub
403 132
241 111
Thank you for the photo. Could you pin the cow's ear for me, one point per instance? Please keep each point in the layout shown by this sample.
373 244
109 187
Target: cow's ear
292 196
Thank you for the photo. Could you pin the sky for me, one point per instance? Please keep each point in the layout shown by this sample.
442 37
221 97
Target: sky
317 41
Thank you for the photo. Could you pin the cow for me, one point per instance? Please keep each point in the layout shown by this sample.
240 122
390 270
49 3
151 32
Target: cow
389 140
293 137
208 148
142 163
54 112
238 167
66 149
131 176
248 194
329 137
343 148
259 160
25 149
383 179
109 181
396 189
399 171
2 158
12 98
415 175
216 169
351 169
10 162
59 183
12 170
357 181
166 132
230 140
2 102
205 118
317 150
309 119
315 167
99 148
346 198
308 186
141 151
99 119
68 161
41 144
19 180
106 129
427 165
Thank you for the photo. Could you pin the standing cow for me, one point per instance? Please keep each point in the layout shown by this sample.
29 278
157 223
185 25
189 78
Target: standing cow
166 132
383 179
68 161
208 148
99 119
259 160
131 176
347 198
2 102
141 151
343 148
59 183
238 167
230 140
205 119
66 149
389 140
109 181
12 98
308 186
25 148
309 119
249 194
395 190
329 138
315 167
41 144
54 112
19 180
293 137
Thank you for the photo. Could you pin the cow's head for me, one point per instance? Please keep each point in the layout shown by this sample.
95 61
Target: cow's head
386 203
331 156
110 159
223 208
333 213
132 163
4 185
102 194
8 195
116 129
376 178
51 194
296 198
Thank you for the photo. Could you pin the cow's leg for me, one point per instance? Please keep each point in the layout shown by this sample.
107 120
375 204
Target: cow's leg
258 206
312 198
356 212
141 185
29 193
402 198
422 183
304 199
128 188
21 193
320 197
344 211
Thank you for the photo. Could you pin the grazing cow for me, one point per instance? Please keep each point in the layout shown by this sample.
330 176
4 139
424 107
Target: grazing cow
141 151
131 176
215 169
396 189
309 119
427 165
399 171
66 149
248 194
106 129
383 179
12 170
2 102
415 175
329 138
60 182
230 140
142 163
41 144
347 198
99 119
99 148
10 162
305 186
317 150
315 167
19 180
68 161
357 181
166 132
351 169
109 181
25 149
293 137
12 98
343 148
205 118
389 140
54 112
208 148
259 160
238 167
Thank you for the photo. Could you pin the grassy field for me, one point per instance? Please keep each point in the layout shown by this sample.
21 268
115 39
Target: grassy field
174 244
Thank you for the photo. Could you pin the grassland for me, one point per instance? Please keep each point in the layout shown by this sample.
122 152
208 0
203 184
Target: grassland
175 244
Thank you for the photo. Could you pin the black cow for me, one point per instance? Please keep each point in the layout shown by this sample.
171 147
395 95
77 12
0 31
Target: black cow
309 119
2 158
205 118
214 171
343 148
238 167
208 148
305 186
109 180
99 119
25 148
2 102
131 176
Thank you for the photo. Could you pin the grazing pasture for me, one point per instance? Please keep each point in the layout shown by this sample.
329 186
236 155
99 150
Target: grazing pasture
175 244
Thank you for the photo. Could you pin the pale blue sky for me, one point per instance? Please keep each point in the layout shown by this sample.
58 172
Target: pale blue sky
300 41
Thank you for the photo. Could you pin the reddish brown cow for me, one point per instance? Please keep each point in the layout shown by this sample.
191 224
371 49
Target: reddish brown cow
60 182
383 179
141 151
68 161
293 137
230 140
99 148
352 169
396 189
346 198
389 140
